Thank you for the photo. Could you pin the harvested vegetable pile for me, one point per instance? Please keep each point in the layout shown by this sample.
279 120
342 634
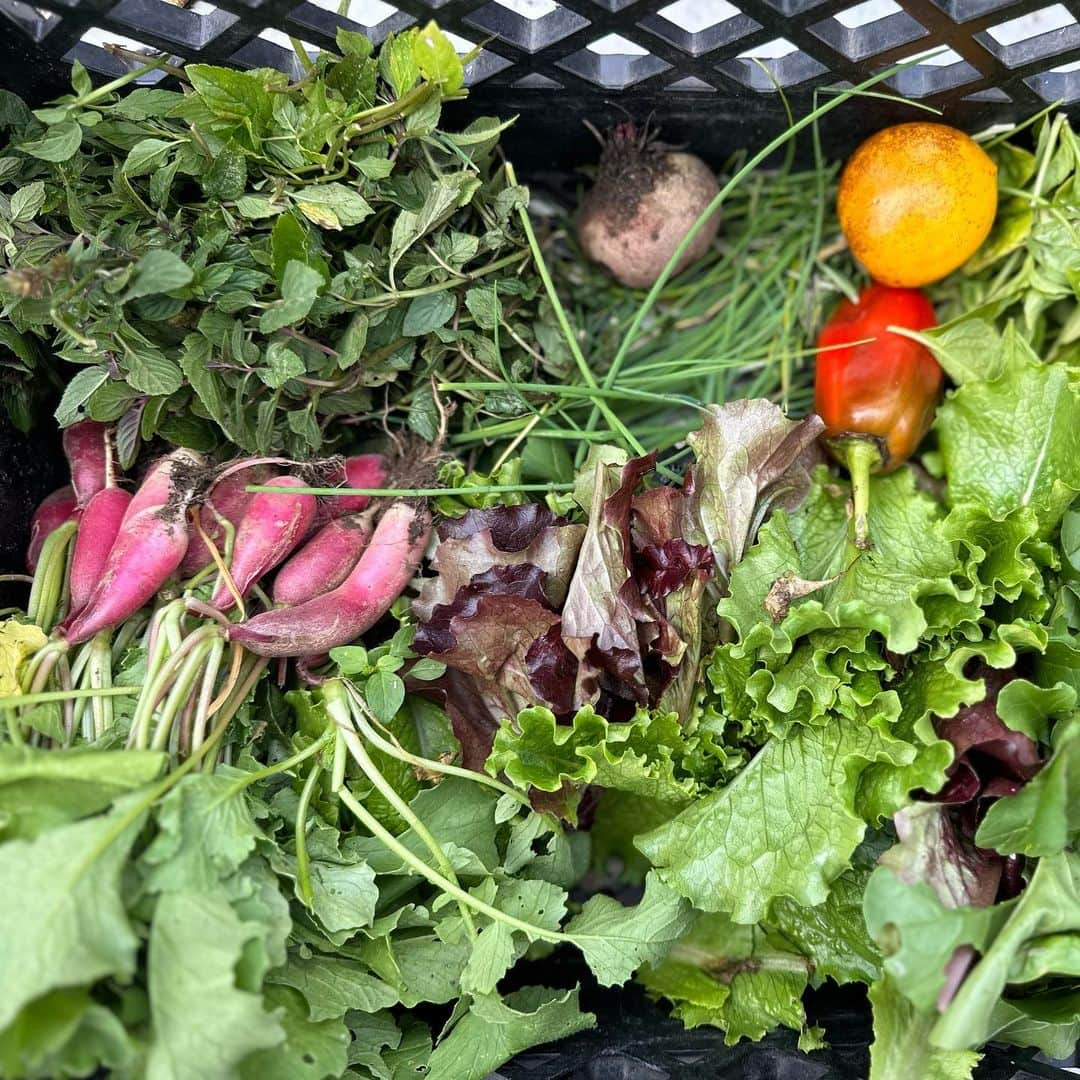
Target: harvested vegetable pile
322 736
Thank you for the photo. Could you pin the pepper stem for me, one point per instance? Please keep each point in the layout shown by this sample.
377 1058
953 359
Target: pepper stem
861 456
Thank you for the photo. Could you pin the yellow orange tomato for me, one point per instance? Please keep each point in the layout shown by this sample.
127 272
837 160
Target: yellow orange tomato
916 201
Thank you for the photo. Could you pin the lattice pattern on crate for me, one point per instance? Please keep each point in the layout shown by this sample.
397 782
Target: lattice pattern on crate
1020 51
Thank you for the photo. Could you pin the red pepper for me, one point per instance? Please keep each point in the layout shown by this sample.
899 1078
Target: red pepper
878 397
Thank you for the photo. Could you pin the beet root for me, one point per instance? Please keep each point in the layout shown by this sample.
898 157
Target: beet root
644 202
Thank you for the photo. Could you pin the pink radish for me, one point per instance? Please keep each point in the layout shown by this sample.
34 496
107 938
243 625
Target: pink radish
86 448
149 547
273 525
99 526
325 561
361 471
51 513
343 614
145 554
169 474
227 499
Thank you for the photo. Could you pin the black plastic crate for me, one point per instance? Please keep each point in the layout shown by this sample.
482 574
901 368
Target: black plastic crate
689 62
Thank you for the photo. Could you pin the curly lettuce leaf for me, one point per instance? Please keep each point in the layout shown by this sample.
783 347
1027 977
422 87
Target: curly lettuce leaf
904 588
641 756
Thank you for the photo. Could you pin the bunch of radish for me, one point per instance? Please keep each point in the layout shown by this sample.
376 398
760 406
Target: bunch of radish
184 563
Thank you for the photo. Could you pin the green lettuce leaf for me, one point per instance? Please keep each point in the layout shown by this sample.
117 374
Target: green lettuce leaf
904 588
1014 441
640 757
785 826
743 979
901 1049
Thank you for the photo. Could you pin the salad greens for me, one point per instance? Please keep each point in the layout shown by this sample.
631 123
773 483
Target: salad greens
667 720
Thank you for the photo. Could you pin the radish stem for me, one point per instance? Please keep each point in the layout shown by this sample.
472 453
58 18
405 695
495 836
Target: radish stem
303 862
366 725
338 709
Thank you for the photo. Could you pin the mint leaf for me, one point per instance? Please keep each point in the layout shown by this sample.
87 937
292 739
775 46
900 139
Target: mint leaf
437 59
59 143
300 285
333 206
77 392
159 271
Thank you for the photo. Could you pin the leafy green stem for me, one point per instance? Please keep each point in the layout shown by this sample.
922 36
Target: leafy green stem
339 710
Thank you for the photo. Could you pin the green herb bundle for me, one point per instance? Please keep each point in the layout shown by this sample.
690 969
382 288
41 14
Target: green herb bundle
245 259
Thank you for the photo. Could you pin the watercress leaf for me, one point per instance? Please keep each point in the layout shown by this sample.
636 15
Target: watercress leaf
63 921
426 669
300 285
159 271
384 692
59 143
77 393
204 1022
351 659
